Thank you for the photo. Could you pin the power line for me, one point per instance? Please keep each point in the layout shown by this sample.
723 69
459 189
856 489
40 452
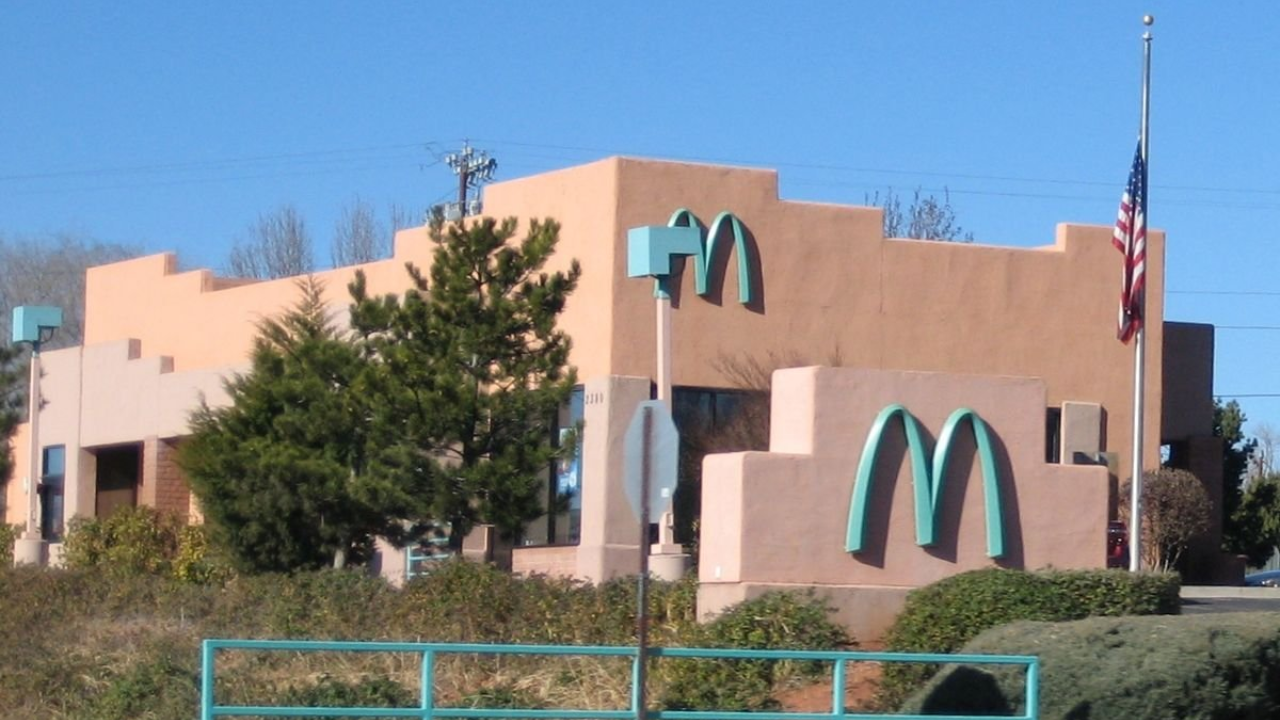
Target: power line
1224 292
1246 327
207 164
223 178
891 171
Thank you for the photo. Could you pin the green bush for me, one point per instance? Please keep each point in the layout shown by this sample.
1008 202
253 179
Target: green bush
143 541
196 560
774 621
941 617
132 541
461 601
321 605
375 692
8 533
503 696
160 686
1132 668
91 642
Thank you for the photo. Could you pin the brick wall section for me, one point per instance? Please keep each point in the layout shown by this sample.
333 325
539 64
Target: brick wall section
172 493
555 561
163 486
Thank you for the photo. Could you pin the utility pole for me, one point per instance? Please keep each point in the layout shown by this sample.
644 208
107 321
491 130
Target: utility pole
472 167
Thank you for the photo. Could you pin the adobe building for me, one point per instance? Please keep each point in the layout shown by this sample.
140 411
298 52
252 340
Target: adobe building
1023 337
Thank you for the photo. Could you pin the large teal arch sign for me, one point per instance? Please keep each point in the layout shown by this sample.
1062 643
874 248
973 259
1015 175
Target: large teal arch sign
702 260
927 479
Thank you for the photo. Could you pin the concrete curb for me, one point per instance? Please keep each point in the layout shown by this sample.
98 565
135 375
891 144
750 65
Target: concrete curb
1202 592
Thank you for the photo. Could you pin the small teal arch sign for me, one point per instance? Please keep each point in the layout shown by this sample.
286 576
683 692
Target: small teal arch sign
707 252
927 478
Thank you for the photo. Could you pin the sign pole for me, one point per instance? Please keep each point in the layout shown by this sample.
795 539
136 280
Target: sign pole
642 583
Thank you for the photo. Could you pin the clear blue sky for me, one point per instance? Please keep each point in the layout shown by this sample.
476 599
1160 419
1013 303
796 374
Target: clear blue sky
172 125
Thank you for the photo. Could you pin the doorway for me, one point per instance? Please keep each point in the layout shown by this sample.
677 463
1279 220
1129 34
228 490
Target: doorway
119 470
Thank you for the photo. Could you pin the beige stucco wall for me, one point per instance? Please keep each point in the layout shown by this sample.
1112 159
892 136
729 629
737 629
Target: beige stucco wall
201 321
831 284
779 518
104 395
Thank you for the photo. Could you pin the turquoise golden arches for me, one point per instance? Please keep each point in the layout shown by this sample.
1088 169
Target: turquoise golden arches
702 260
927 479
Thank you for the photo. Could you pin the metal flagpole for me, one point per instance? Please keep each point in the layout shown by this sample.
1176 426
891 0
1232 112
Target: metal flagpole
1139 351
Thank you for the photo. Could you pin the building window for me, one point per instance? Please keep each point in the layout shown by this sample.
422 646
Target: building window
712 420
562 524
566 487
53 471
1053 435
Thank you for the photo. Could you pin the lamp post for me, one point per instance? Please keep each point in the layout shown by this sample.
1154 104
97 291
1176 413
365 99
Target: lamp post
34 325
650 252
651 249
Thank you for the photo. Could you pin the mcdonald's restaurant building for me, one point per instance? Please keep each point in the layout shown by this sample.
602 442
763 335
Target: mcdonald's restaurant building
1003 359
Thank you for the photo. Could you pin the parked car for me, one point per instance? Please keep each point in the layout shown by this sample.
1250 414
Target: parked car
1268 578
1117 545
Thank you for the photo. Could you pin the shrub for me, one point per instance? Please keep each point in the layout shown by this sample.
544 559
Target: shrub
143 541
136 540
1133 668
503 696
774 621
1175 508
941 617
8 533
374 692
196 560
159 686
321 605
458 601
462 601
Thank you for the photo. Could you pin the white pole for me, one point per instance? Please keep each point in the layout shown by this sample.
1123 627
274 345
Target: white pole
1135 495
1139 350
664 349
32 530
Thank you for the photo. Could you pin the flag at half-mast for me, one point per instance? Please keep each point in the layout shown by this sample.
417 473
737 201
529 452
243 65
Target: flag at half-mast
1130 238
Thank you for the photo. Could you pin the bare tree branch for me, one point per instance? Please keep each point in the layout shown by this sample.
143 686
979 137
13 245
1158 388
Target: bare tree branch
926 218
358 236
277 246
50 270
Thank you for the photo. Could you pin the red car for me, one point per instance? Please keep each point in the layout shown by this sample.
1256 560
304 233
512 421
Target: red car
1117 545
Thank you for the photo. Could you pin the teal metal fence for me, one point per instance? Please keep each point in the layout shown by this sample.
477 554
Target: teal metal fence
430 653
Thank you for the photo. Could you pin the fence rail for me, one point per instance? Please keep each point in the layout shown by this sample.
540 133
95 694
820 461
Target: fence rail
430 652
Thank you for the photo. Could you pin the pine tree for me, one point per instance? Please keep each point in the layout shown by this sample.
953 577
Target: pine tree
471 371
11 397
284 473
1238 534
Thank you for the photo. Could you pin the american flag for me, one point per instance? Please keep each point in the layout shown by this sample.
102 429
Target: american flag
1130 238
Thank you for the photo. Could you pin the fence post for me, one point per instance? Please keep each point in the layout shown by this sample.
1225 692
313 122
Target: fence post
1033 689
428 684
837 687
206 680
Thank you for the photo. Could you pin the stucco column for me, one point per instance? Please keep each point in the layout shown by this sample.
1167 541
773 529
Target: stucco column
607 547
150 476
30 548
